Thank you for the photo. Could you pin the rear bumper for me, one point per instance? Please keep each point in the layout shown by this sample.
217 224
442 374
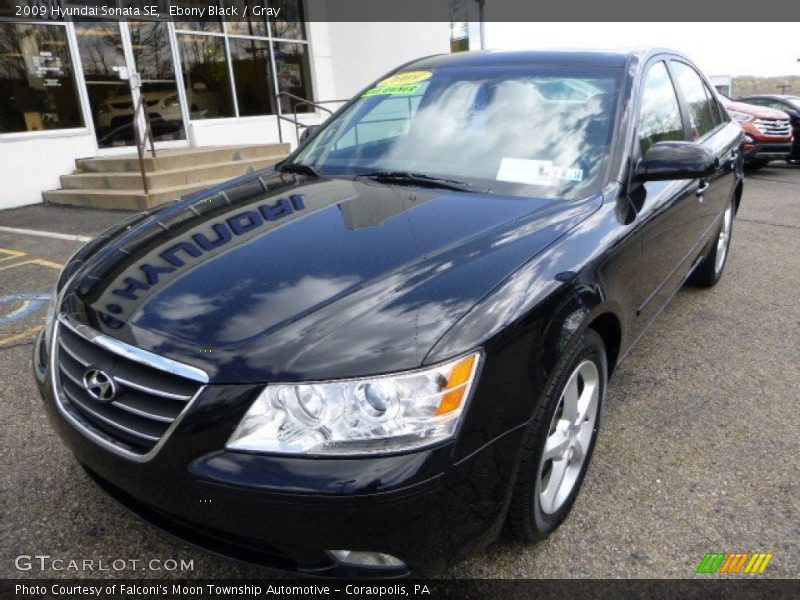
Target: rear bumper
285 512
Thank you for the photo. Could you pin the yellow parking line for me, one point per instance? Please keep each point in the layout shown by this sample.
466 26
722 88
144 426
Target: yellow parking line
12 254
11 339
34 261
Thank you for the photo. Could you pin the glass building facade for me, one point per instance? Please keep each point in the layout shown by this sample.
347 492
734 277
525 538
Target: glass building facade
63 76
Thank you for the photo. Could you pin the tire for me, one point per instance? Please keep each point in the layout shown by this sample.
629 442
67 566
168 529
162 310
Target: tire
536 509
709 272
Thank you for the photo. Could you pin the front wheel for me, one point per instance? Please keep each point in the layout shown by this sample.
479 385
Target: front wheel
709 272
560 441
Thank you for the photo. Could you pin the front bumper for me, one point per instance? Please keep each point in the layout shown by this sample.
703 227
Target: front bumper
758 151
285 512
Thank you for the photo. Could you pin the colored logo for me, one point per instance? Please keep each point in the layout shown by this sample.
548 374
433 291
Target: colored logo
99 385
741 562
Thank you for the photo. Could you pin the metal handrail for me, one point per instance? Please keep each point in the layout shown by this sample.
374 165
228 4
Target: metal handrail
297 125
143 136
318 104
299 101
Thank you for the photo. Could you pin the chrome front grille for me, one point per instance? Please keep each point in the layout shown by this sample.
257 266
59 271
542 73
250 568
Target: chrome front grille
773 126
150 394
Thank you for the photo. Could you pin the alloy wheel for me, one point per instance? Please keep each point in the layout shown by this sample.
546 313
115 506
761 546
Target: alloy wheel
723 240
570 436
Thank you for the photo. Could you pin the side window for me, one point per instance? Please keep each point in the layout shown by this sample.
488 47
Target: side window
719 109
702 111
659 116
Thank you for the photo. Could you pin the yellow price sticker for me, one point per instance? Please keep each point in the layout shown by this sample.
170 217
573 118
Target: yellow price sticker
392 90
405 78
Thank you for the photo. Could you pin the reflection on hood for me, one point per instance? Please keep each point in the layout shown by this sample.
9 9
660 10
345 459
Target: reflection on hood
309 278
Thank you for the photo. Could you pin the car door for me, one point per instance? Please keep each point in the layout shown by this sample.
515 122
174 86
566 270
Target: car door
667 210
710 126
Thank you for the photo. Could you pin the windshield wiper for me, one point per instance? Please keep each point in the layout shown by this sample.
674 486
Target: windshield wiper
423 180
303 169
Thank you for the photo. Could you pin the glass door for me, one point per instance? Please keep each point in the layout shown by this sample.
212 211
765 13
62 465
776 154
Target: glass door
103 61
152 57
110 52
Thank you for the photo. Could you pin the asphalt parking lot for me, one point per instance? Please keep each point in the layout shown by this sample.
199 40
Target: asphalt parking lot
699 451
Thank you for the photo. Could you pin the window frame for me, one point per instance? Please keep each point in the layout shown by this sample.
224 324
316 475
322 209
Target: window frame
636 153
722 116
80 89
634 148
228 69
272 41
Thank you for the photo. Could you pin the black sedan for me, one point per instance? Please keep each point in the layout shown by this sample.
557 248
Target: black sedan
365 361
788 104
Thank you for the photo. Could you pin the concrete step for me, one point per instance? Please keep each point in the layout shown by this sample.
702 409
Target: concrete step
166 178
172 159
124 199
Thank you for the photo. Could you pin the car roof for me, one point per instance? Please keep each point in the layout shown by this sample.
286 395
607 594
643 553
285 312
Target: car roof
486 58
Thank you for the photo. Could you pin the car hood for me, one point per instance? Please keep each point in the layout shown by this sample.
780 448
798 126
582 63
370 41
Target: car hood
277 277
759 112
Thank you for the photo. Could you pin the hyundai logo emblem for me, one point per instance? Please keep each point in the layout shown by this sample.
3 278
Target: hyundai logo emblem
99 385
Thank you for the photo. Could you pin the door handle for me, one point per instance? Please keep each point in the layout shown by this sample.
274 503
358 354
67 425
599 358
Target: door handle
702 189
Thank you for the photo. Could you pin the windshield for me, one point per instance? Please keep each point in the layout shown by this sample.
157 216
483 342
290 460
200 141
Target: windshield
795 102
534 131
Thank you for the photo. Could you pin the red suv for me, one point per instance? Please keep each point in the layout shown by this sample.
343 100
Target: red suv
768 132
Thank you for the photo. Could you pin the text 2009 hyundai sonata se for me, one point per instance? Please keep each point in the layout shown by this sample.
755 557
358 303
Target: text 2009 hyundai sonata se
367 360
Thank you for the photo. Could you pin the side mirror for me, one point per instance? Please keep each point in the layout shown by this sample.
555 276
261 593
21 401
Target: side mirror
675 160
308 132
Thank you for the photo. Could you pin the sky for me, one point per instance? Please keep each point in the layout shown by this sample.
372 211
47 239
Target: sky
765 49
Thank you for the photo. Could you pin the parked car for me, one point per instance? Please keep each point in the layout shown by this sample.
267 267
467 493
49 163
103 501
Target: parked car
117 108
368 359
768 132
788 104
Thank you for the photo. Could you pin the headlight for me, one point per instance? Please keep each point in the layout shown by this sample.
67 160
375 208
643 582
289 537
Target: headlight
740 116
357 416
